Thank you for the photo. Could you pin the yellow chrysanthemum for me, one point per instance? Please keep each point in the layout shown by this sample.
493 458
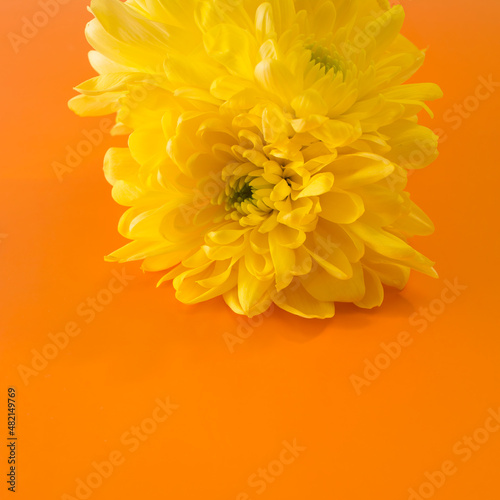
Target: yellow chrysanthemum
269 146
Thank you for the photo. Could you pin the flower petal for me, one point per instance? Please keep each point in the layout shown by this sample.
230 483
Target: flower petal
297 300
341 207
231 46
374 291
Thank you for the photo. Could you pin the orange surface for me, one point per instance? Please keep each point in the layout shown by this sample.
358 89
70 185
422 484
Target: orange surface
288 382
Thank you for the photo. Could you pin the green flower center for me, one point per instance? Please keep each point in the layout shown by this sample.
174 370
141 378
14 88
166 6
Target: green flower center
328 59
239 193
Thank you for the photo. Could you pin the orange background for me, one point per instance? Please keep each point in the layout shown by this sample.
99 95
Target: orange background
290 379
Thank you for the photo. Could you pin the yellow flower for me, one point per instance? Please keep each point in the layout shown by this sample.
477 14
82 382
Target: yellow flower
269 146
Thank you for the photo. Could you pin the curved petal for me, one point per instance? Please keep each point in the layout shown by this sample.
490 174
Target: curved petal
374 291
341 207
232 47
297 300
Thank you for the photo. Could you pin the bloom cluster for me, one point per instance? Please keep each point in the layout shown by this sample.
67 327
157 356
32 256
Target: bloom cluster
269 146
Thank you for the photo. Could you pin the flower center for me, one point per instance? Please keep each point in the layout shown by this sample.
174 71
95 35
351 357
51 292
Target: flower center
238 191
253 182
242 194
247 192
327 58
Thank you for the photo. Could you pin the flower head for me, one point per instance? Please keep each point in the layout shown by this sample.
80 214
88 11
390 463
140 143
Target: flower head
269 146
